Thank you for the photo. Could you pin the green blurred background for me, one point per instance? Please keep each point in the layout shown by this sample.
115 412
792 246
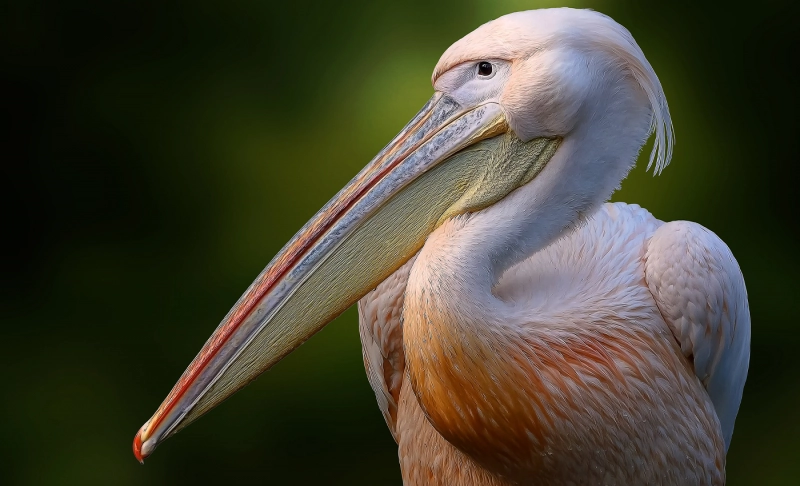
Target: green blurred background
158 154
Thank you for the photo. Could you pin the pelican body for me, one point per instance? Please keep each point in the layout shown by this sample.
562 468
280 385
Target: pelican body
515 328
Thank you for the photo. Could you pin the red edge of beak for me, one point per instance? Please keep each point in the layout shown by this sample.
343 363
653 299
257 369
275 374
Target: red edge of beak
137 447
267 280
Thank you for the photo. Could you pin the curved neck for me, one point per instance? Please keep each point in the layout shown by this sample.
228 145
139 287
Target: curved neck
465 353
587 168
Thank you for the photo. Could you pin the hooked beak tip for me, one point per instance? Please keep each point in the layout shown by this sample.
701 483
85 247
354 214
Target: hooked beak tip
137 447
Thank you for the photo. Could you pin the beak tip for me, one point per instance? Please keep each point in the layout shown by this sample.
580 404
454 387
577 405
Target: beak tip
137 447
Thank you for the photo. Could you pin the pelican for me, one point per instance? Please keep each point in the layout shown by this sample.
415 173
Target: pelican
516 329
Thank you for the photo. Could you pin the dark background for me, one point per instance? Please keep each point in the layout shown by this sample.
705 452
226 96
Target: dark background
157 154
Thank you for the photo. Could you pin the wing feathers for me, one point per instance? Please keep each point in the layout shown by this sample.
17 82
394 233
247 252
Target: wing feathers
700 291
381 329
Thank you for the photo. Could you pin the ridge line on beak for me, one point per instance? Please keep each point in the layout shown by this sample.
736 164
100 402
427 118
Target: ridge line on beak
280 276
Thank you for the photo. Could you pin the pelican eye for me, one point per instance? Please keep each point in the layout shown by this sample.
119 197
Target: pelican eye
485 68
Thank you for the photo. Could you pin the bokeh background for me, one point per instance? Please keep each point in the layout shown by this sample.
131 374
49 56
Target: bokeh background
157 154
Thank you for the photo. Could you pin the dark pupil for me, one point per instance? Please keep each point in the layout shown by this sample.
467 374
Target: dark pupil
485 68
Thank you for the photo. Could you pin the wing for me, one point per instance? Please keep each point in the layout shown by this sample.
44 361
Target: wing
700 292
381 329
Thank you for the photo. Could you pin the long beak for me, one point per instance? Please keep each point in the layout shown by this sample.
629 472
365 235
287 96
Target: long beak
367 231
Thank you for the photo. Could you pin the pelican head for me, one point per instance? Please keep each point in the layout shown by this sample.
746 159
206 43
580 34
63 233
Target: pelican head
518 103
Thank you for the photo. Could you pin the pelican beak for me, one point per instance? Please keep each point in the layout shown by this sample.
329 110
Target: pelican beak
367 231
